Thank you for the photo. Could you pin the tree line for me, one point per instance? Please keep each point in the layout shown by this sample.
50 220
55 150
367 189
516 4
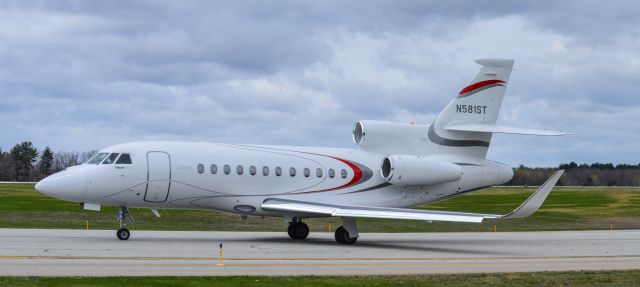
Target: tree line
595 174
25 163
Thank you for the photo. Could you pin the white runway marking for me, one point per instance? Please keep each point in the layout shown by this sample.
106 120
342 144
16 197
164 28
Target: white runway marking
32 252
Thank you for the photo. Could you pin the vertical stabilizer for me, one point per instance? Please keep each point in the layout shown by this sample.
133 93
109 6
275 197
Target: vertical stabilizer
477 103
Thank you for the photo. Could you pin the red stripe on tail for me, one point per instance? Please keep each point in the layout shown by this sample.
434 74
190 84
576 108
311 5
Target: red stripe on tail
478 85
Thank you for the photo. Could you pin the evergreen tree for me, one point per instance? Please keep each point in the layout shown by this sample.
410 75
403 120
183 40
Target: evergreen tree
24 155
46 161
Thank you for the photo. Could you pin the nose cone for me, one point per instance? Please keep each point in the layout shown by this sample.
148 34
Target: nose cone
66 185
40 187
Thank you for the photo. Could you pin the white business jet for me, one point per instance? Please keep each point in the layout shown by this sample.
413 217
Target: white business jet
396 166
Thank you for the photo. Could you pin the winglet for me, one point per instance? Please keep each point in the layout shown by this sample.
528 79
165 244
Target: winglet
533 203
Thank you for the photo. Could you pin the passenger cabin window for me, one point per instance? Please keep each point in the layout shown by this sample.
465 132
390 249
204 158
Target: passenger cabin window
318 172
292 171
332 173
213 168
239 170
265 170
252 170
98 158
306 172
227 169
278 171
110 159
124 158
200 168
343 173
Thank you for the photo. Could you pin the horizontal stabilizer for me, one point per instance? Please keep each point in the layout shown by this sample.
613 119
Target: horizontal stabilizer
491 128
322 209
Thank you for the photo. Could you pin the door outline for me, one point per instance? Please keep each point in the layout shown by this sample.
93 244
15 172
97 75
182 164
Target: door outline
168 186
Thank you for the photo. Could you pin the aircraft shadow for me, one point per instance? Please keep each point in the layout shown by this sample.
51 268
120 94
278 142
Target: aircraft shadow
472 247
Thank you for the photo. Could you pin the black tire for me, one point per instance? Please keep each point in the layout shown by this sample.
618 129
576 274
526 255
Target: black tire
298 230
302 230
292 235
342 236
123 234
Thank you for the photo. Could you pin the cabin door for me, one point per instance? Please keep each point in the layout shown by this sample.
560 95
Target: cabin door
158 176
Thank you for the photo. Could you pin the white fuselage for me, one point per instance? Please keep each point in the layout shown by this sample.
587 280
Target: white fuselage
395 166
191 175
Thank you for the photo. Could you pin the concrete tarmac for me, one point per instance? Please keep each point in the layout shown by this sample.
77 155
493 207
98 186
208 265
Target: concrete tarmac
40 252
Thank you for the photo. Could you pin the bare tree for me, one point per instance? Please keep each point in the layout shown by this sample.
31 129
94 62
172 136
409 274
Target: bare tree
87 155
64 159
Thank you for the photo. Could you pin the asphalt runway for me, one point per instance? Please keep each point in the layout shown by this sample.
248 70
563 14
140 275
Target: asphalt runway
38 252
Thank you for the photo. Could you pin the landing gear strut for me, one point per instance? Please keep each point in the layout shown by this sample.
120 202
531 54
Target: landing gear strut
298 229
124 218
348 232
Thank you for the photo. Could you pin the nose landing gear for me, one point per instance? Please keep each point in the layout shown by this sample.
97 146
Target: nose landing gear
124 218
123 234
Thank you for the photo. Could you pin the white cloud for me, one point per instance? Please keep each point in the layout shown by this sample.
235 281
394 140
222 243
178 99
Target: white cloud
82 76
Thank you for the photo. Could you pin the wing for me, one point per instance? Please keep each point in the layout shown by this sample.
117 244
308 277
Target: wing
531 205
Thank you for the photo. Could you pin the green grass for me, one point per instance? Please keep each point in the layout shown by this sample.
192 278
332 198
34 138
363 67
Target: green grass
565 209
580 278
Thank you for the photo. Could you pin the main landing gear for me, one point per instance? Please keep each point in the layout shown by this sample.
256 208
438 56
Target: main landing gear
348 232
124 218
343 237
345 234
298 229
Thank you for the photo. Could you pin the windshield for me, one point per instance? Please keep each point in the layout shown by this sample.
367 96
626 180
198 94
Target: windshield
125 158
98 158
112 157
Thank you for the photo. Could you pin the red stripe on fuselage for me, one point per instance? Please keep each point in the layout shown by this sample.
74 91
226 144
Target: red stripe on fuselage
357 175
478 85
357 172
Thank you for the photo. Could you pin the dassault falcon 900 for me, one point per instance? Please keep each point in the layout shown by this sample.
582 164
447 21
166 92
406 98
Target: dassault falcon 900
396 166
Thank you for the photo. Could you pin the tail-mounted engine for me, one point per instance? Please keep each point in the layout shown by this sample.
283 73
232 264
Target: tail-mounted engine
379 134
416 170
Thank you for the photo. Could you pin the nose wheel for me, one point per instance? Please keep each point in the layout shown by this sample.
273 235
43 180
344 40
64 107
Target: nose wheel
124 218
123 234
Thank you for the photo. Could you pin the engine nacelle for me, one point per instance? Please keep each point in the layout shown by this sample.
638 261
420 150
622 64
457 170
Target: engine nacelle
373 134
415 170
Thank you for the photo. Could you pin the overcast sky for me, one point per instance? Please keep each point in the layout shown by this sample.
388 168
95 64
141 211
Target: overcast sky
83 75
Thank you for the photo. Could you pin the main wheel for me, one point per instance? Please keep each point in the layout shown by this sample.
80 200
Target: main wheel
123 234
342 236
298 230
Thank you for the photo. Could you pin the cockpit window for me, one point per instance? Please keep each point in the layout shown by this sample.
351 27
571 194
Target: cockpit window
98 158
111 158
124 158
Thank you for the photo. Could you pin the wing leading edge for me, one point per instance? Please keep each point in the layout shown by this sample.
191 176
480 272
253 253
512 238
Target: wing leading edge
492 128
531 205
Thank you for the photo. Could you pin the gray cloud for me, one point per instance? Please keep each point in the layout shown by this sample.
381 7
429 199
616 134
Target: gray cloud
81 75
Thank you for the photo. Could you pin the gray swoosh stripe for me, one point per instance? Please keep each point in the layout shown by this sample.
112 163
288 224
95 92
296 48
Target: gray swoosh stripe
478 90
384 184
435 138
464 163
367 173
